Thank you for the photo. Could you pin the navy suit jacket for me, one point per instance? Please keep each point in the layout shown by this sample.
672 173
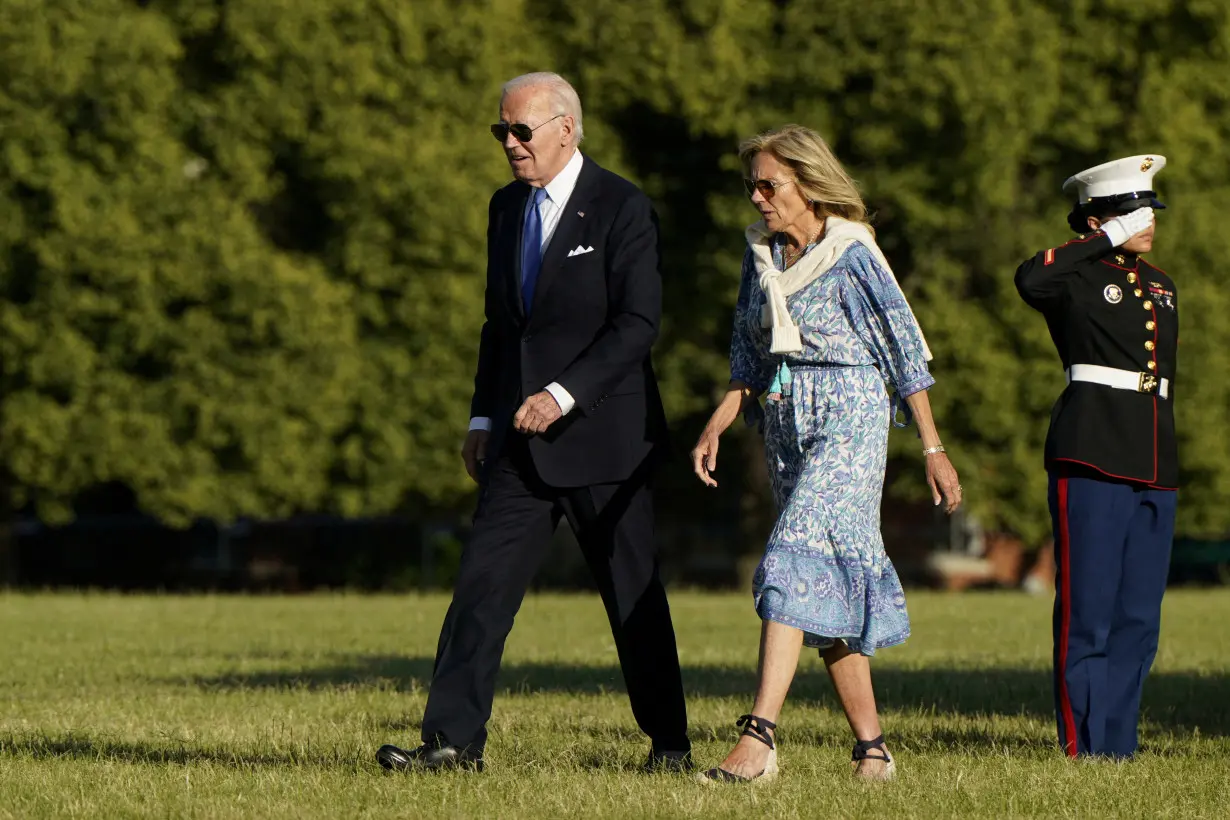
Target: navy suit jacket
592 324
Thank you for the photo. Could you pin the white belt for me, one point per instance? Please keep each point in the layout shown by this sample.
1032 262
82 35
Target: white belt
1121 379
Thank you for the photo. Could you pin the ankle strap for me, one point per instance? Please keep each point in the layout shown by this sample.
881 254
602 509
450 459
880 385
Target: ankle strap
862 749
758 727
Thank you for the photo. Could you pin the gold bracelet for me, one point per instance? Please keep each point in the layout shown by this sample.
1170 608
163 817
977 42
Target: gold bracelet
930 451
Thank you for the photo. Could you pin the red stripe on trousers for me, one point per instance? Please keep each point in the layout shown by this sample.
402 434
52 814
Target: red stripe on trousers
1065 623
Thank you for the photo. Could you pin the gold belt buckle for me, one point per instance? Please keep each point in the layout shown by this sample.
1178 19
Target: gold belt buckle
1148 383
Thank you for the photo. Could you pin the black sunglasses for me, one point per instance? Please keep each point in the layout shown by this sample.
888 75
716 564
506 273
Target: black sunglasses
767 187
520 130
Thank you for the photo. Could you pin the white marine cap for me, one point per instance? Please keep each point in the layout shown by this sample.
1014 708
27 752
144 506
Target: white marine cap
1124 184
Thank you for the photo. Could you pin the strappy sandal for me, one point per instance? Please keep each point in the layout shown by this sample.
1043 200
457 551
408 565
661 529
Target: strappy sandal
863 750
758 728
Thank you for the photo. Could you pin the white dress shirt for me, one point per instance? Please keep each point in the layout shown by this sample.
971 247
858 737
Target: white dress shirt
559 191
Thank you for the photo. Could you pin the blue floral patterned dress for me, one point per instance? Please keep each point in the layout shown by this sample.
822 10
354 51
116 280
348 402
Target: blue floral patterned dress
825 570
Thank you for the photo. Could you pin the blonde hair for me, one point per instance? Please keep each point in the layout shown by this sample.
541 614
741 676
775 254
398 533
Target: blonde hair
817 171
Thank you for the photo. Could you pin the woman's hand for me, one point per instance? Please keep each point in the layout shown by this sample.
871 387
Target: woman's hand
704 455
945 486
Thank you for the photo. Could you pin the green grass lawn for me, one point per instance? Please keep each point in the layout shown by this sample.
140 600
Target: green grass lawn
273 707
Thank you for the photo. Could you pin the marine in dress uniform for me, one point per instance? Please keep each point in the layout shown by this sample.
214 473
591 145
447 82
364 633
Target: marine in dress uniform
1110 451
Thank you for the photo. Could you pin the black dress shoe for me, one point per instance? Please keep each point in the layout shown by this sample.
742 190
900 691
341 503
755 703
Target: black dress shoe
672 762
429 758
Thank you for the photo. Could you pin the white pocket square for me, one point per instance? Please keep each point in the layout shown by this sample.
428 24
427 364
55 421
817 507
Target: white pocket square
578 251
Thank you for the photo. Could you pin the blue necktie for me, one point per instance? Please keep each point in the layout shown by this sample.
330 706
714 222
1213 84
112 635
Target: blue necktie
531 248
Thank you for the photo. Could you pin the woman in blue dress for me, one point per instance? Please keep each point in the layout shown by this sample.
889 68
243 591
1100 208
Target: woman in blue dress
823 327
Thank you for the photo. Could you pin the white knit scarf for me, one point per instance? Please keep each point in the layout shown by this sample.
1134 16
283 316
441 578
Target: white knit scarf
839 234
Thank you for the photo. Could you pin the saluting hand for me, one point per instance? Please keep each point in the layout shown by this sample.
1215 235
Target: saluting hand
538 413
1122 228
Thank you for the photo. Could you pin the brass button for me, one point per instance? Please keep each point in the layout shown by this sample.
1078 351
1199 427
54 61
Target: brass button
1150 325
1151 365
1149 345
1131 278
1148 305
1139 293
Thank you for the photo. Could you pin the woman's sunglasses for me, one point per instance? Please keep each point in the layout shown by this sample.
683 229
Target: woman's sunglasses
767 187
520 130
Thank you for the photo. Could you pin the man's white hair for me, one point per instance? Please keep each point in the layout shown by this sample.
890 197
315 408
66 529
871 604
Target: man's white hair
561 96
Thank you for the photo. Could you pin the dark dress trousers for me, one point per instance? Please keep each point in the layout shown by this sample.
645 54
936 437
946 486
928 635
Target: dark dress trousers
594 318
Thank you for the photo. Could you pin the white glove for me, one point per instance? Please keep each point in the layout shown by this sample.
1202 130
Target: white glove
1122 228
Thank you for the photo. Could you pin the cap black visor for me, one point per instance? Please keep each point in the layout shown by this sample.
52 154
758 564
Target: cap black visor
1123 203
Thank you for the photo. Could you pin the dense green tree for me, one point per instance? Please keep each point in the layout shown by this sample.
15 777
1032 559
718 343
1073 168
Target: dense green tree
360 130
242 241
961 118
150 334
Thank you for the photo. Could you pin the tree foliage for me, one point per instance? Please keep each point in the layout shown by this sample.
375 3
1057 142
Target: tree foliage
150 334
242 241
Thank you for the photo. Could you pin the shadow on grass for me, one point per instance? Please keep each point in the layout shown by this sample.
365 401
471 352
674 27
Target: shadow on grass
969 739
1174 701
47 747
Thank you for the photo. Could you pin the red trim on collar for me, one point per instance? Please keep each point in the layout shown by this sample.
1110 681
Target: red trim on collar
1082 239
1120 267
1155 267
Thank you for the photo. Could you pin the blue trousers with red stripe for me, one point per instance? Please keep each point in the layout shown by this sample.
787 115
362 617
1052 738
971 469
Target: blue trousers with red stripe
1112 555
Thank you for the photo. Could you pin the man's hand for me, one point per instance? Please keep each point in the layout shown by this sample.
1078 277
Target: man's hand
538 413
1122 228
474 451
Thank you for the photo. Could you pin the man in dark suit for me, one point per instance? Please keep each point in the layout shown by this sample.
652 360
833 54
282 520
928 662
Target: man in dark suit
566 421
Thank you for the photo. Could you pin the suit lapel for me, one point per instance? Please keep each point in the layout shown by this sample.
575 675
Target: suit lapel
568 231
510 245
